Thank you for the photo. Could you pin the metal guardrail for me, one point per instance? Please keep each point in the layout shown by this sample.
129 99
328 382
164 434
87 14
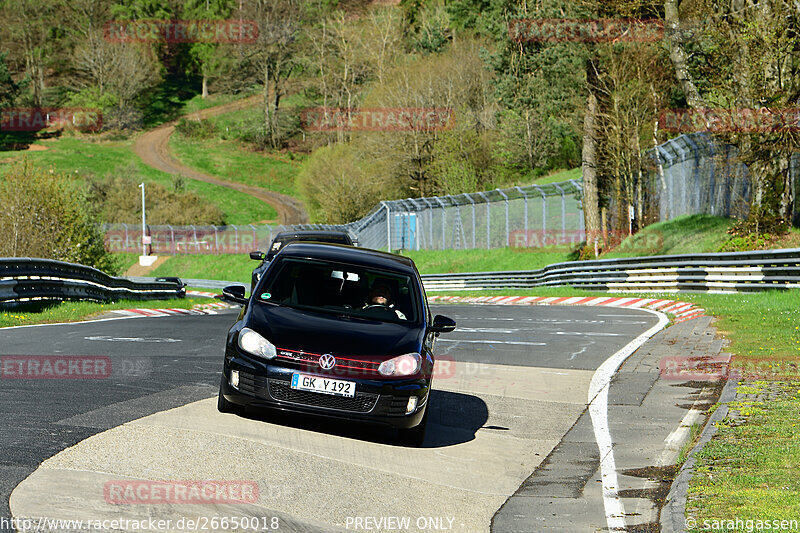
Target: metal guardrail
714 272
25 280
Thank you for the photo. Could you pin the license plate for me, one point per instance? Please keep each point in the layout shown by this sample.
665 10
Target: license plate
335 387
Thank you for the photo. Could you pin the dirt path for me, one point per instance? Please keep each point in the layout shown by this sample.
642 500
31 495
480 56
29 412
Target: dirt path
152 147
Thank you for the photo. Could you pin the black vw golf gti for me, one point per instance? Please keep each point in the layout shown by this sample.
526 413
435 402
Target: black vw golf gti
336 331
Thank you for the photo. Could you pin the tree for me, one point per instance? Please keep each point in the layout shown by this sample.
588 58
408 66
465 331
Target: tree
30 29
457 84
125 70
275 55
340 185
746 56
8 89
209 58
44 214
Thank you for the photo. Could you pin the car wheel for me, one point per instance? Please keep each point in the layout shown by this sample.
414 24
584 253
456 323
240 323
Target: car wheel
223 405
415 436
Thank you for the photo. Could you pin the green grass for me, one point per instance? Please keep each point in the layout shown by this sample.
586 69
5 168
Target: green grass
759 325
482 260
198 103
79 157
237 267
177 96
231 161
562 175
749 469
76 311
687 234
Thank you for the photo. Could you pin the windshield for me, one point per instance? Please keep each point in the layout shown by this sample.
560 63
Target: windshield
342 289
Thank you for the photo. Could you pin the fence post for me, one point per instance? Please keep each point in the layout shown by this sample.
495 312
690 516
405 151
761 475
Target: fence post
695 175
488 221
472 203
254 234
172 238
544 214
581 229
563 212
712 187
388 227
665 205
430 221
444 232
508 238
525 199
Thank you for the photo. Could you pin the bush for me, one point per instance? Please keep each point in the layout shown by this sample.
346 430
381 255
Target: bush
758 231
338 187
118 199
44 214
196 129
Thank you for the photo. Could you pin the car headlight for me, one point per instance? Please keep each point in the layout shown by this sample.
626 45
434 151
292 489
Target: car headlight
253 343
402 365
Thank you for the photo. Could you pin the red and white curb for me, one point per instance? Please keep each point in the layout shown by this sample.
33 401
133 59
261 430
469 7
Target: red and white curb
200 309
202 294
682 311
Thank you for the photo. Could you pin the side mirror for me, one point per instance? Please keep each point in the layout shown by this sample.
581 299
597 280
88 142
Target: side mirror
442 324
257 255
235 294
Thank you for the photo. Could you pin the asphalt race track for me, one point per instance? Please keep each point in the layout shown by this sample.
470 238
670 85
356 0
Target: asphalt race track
510 383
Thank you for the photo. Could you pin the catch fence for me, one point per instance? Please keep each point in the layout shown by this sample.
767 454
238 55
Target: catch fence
691 174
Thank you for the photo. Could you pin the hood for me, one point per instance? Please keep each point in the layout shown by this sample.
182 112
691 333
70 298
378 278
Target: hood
294 329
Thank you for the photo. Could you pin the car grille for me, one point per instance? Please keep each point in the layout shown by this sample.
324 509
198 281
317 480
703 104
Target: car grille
251 384
397 405
361 403
346 366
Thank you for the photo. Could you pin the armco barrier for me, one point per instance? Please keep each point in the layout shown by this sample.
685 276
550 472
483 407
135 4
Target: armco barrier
25 279
715 272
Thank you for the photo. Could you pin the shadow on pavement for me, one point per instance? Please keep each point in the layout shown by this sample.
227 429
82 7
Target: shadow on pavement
454 418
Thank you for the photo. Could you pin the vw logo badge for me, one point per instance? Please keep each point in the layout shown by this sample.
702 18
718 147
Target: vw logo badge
327 361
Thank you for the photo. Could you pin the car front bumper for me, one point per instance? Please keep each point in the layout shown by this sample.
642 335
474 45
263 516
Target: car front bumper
377 401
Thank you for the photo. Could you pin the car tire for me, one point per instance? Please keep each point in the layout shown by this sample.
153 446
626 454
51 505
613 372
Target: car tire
223 405
415 436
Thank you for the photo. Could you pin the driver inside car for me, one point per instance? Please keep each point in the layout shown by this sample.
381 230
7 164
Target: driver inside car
381 295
